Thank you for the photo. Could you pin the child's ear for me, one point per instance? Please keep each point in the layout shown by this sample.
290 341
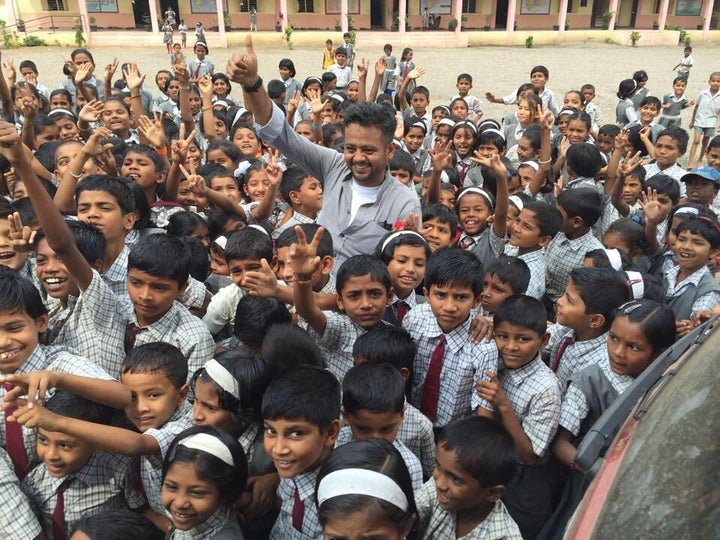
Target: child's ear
544 340
326 264
294 197
405 374
714 254
390 296
184 389
495 493
274 263
41 323
477 300
338 299
129 220
597 321
182 287
332 433
426 293
160 177
97 265
543 241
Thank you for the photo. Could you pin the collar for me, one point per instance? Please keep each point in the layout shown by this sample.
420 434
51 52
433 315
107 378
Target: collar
208 528
306 484
163 324
519 375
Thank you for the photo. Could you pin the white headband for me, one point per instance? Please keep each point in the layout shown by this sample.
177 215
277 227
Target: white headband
221 241
496 131
396 234
517 201
209 444
446 122
467 124
241 111
361 482
687 210
613 256
636 283
479 191
222 377
532 164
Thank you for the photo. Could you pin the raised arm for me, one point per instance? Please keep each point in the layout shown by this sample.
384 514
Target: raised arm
7 102
544 159
206 90
263 210
243 69
496 165
362 70
441 159
134 81
380 67
305 263
108 75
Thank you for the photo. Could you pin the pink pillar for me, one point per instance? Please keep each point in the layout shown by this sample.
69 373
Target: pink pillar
11 16
457 14
221 22
154 16
613 8
662 15
707 14
344 15
402 13
283 10
84 19
562 17
510 24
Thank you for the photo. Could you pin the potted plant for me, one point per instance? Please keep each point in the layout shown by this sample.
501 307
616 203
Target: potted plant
337 25
606 18
487 23
635 37
702 23
567 23
227 22
655 25
20 25
452 24
146 22
93 24
350 22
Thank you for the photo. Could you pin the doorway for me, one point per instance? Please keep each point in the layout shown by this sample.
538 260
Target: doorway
377 14
501 13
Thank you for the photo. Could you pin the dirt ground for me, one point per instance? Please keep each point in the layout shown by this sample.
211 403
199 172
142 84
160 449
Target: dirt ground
496 69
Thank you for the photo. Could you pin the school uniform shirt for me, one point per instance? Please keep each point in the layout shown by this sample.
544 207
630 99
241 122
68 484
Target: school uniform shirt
594 112
487 246
296 219
416 432
707 108
411 461
474 105
337 341
181 328
698 291
283 528
561 256
625 112
409 302
106 482
536 263
221 310
576 354
51 358
547 97
686 62
17 519
675 171
656 129
575 406
670 117
436 523
116 275
343 74
534 394
198 68
354 234
151 466
461 360
223 524
92 325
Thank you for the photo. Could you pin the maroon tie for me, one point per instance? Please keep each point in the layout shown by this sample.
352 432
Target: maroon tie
298 511
14 444
58 516
431 387
402 310
467 242
463 170
130 335
564 345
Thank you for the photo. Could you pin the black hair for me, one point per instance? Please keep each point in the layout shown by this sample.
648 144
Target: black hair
158 357
64 403
651 100
217 220
582 116
533 134
147 151
367 114
289 65
402 160
679 135
376 387
184 224
490 137
632 234
524 311
626 88
656 320
45 154
211 171
442 214
289 237
547 217
374 455
703 226
42 121
421 90
252 376
275 88
451 266
714 142
584 159
292 180
327 77
664 185
600 259
229 479
611 130
483 448
640 75
582 202
223 77
286 346
602 290
28 64
465 76
329 132
242 125
161 256
361 265
254 315
248 243
387 344
62 92
18 294
407 238
117 525
88 239
199 258
117 187
303 392
512 271
524 88
228 148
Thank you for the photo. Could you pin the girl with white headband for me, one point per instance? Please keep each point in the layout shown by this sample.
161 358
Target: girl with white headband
363 490
204 473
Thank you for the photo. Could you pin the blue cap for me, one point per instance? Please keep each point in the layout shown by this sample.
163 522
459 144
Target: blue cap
705 173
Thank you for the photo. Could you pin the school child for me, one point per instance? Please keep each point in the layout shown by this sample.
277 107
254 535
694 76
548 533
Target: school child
373 407
625 110
504 277
705 118
182 27
405 66
200 33
387 82
606 139
402 166
340 69
167 31
528 113
702 185
689 284
685 63
539 76
286 67
329 80
641 91
588 93
413 138
328 55
364 290
116 525
304 194
244 251
649 110
670 145
675 102
463 136
584 315
476 459
405 253
459 109
640 332
447 359
350 48
73 481
439 226
713 153
533 230
13 258
628 236
524 396
22 521
395 347
580 209
116 117
303 400
28 70
200 65
419 103
364 490
464 84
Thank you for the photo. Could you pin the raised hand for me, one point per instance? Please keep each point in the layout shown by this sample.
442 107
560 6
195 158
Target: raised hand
153 130
242 68
547 120
441 157
416 73
273 171
303 256
380 67
22 236
83 73
314 98
110 69
205 84
133 79
653 210
362 68
179 147
91 111
10 143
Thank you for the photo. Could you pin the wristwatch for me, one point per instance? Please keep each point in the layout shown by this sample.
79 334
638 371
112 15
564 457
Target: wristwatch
255 87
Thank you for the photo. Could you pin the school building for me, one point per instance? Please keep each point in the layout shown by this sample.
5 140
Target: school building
400 15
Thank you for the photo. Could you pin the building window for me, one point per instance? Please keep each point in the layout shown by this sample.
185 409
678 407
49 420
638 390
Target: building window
56 5
306 6
247 5
468 6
